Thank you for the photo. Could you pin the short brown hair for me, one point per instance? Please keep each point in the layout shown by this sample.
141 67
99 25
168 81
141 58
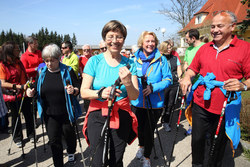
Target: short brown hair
114 25
142 36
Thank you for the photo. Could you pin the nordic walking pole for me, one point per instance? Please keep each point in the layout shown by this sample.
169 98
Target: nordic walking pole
106 128
33 113
144 86
177 128
150 128
18 117
211 154
44 148
172 110
157 132
76 128
33 101
176 97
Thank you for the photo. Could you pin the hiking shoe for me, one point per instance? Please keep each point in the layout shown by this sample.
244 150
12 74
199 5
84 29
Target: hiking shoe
19 144
140 153
71 159
166 127
145 162
32 140
189 131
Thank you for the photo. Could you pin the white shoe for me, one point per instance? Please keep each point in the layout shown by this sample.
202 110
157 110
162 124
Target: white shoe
19 144
145 162
71 159
140 153
166 127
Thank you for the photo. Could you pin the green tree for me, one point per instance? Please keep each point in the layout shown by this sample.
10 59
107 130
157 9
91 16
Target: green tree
43 36
2 37
243 27
66 37
74 41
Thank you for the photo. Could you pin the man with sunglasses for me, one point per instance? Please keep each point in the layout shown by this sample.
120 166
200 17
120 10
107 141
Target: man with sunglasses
102 46
86 54
70 58
227 57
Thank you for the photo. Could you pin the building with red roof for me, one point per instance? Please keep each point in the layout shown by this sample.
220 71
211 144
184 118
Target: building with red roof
203 18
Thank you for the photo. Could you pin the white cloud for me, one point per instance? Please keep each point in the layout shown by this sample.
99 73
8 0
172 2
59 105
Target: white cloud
125 8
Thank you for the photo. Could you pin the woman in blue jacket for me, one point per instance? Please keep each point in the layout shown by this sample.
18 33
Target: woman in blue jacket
56 85
153 77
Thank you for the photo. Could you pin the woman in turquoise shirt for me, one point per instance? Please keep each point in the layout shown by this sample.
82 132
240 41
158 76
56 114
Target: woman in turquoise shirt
100 73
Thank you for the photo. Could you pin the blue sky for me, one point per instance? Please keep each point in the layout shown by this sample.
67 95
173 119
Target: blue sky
85 18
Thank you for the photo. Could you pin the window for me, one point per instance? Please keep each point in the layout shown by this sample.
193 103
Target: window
199 18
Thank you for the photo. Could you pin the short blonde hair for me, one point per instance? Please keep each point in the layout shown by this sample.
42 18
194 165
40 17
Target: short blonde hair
164 47
142 36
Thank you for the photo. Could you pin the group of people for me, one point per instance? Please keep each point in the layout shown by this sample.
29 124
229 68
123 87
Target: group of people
132 93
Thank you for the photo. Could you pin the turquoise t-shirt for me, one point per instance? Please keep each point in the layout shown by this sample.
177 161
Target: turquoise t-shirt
191 52
105 75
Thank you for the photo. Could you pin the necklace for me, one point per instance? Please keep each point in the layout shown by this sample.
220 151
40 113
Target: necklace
53 71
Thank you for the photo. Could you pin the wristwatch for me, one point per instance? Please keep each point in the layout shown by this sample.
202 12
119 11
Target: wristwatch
245 86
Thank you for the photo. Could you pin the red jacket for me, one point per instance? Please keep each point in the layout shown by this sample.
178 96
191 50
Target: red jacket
31 61
15 74
114 117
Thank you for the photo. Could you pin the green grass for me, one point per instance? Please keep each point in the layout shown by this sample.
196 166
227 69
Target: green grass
244 132
246 95
247 154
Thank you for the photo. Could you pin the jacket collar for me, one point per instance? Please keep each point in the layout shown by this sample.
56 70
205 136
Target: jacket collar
158 55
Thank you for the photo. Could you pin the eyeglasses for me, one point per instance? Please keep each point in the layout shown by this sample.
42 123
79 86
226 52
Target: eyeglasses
64 47
104 48
86 50
118 38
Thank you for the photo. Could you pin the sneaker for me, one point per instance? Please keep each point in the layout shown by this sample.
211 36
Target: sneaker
19 144
32 140
166 127
71 159
145 162
189 131
140 153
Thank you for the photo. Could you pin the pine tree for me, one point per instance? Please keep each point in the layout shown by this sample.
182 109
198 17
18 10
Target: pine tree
74 41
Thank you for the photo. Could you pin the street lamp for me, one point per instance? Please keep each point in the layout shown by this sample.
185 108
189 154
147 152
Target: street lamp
163 30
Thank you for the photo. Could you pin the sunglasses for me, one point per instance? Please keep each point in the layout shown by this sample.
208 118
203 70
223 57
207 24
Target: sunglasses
104 48
86 50
64 47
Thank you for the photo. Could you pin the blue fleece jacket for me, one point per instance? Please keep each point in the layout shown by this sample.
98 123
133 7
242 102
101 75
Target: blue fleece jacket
158 74
65 76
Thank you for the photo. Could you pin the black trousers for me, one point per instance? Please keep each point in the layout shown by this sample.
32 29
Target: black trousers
118 138
26 110
205 124
145 135
58 126
170 95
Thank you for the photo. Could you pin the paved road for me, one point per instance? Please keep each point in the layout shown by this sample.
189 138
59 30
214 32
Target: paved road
182 151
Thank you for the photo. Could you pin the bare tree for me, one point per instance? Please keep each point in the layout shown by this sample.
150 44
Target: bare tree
181 11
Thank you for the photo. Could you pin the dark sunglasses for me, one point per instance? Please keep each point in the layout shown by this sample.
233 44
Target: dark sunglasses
104 48
64 47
